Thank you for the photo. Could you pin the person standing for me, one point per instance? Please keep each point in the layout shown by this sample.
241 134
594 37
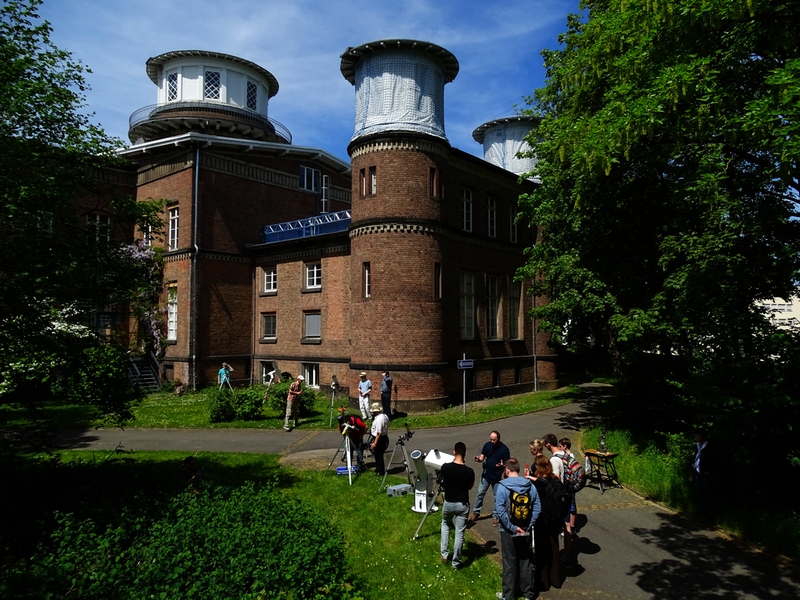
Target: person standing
518 506
380 432
224 375
493 457
548 526
386 394
565 448
701 471
364 389
457 480
292 402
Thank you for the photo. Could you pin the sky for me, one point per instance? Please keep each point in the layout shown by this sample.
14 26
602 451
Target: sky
300 42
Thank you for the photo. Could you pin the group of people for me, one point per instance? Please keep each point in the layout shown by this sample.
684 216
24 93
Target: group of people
531 508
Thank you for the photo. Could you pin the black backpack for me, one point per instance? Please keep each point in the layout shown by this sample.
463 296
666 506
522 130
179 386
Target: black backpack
556 503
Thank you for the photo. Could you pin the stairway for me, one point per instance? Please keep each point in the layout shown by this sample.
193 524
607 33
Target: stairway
142 374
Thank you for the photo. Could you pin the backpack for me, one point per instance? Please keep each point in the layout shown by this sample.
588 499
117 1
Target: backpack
574 475
521 508
556 503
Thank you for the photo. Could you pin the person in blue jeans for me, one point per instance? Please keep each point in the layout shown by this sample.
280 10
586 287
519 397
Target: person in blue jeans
493 457
457 481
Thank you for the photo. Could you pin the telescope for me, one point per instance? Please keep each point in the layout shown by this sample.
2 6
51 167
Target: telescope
423 488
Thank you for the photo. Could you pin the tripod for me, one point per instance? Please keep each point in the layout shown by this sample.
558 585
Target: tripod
432 507
334 387
401 443
348 452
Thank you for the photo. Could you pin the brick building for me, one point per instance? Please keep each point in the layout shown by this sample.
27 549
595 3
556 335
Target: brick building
403 259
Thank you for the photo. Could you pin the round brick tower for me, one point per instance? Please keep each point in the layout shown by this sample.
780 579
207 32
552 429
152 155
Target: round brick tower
208 92
399 153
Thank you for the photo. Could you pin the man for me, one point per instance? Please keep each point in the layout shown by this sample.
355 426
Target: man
386 394
364 389
354 428
701 471
224 375
565 451
551 443
292 401
517 505
457 480
380 432
493 457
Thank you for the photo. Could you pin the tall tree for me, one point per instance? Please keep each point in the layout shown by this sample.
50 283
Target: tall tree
668 154
64 228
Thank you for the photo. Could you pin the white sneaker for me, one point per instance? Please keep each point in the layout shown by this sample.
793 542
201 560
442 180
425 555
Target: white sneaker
500 595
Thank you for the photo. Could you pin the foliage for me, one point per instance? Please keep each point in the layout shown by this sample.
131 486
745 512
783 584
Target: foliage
667 154
242 404
277 393
62 263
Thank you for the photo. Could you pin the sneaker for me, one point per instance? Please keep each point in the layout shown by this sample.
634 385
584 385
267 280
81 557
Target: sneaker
443 559
500 595
495 522
287 428
474 517
457 566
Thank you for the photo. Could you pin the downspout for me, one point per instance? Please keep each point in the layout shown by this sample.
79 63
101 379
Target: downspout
196 250
535 358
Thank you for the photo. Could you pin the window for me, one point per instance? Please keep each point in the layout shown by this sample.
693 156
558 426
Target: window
310 179
368 179
513 216
213 85
172 240
269 372
270 279
373 180
367 281
99 228
172 87
269 324
467 305
313 276
433 183
491 218
466 210
252 96
492 307
312 325
437 280
172 313
514 298
311 373
147 236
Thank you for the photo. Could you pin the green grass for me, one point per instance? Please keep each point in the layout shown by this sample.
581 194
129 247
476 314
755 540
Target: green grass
385 560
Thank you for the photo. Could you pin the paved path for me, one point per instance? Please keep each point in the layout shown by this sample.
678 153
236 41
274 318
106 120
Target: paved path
627 547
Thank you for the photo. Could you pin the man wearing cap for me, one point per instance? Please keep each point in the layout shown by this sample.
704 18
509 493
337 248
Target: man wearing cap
380 431
292 401
364 389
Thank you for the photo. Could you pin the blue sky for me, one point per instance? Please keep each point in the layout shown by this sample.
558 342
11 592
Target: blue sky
497 45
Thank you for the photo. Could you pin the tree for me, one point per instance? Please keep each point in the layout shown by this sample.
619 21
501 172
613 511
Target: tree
668 153
65 226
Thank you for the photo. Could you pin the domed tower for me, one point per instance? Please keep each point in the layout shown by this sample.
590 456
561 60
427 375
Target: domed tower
502 139
208 92
398 153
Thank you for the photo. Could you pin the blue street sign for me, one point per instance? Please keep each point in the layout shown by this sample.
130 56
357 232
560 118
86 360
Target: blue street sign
465 364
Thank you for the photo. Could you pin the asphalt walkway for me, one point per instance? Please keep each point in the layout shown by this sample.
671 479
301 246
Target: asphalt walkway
627 546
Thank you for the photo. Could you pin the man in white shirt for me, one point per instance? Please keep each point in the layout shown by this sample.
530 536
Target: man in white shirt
380 431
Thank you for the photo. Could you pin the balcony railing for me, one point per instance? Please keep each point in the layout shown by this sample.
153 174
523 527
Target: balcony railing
200 109
318 225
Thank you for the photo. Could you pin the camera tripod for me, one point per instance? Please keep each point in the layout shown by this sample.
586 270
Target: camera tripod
437 491
348 449
401 443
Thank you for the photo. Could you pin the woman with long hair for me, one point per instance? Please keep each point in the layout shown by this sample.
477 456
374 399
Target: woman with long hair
545 530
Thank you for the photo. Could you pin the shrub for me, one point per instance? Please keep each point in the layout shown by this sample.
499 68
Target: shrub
278 392
243 543
247 402
220 406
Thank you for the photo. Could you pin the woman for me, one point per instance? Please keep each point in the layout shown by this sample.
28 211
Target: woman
545 532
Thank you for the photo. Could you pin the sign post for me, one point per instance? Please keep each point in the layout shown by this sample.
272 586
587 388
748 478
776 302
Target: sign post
464 364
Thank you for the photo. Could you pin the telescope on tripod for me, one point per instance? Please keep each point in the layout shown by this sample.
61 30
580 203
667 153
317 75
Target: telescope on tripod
428 486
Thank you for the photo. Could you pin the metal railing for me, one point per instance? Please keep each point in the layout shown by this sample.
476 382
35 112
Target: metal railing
205 108
318 225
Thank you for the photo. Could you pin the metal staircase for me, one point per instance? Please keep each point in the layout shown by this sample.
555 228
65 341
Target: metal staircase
142 373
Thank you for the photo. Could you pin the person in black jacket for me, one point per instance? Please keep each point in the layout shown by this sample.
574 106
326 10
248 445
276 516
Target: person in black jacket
702 469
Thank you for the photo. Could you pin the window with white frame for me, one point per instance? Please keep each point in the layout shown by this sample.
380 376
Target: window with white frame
271 279
492 307
172 87
367 280
147 236
491 217
313 276
172 312
252 96
514 301
311 373
312 325
467 305
98 227
373 180
513 217
212 85
269 326
466 210
172 236
310 179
